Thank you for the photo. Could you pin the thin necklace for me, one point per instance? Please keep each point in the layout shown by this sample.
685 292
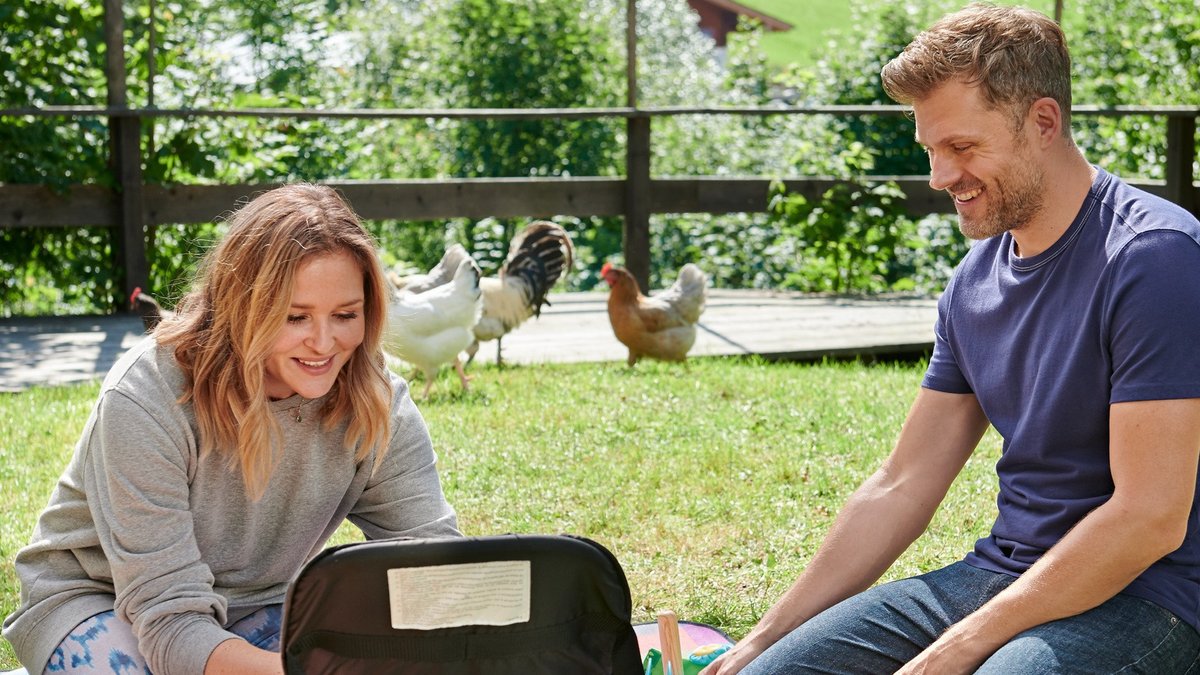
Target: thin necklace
299 408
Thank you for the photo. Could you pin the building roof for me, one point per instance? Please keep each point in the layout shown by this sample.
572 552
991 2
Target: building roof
769 22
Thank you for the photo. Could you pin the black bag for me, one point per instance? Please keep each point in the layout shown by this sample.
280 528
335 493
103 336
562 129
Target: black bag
500 605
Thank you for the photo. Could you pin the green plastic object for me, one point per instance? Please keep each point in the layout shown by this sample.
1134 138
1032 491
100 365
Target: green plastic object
692 663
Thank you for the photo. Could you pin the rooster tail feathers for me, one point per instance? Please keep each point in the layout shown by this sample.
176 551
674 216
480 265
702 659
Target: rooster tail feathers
539 256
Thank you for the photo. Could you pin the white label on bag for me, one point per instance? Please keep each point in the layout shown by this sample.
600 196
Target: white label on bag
471 594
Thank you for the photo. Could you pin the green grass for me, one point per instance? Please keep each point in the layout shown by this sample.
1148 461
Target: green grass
814 22
811 23
713 484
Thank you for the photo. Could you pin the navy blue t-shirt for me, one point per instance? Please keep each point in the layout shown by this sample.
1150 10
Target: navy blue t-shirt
1109 313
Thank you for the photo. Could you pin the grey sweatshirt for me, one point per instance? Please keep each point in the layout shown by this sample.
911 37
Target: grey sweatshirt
140 522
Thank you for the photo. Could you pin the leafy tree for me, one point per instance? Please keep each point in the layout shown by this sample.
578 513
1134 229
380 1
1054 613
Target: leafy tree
1139 53
850 76
41 267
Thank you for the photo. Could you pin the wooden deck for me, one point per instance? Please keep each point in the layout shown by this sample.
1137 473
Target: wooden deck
574 328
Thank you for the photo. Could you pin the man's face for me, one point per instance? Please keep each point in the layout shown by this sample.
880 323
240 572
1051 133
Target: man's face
989 170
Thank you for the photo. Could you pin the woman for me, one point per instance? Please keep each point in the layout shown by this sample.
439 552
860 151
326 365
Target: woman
224 451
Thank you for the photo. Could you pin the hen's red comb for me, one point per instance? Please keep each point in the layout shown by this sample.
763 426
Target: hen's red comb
604 270
133 296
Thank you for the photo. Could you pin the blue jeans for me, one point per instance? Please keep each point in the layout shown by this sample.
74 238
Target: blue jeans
881 629
105 644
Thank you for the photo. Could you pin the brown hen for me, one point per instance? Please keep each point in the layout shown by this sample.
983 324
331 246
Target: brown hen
661 326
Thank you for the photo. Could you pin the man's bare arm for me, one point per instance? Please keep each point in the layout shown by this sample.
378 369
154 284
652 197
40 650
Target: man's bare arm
1154 450
879 521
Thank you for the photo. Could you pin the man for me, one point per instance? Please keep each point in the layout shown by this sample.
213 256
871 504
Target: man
1070 327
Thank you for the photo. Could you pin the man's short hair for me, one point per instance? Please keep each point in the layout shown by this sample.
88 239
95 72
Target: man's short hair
1014 55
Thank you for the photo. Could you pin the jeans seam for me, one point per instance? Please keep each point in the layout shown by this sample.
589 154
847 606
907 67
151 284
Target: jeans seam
1155 648
991 589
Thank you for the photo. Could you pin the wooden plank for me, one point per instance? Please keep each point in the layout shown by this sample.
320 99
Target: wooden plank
480 198
1181 153
42 206
129 242
411 200
549 113
96 206
125 148
631 41
713 194
575 327
636 240
774 325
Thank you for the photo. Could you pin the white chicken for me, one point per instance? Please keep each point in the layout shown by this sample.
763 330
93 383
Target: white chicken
441 273
537 258
432 328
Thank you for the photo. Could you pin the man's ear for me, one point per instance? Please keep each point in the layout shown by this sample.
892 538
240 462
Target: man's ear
1046 119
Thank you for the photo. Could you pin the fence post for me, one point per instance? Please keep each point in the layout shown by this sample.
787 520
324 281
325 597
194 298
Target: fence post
1181 153
129 236
636 240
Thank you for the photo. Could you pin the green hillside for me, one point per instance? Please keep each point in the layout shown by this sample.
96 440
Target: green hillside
813 20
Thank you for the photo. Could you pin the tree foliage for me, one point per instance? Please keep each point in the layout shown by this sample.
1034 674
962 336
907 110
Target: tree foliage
1134 53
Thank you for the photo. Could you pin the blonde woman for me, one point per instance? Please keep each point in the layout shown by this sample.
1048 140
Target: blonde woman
224 451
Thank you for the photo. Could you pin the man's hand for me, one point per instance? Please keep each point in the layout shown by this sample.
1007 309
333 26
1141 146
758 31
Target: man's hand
950 655
732 661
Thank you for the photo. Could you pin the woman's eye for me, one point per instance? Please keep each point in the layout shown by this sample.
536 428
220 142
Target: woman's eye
295 318
348 316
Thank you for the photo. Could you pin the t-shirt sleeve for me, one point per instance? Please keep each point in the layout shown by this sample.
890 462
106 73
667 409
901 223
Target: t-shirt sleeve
1153 318
404 497
943 373
137 483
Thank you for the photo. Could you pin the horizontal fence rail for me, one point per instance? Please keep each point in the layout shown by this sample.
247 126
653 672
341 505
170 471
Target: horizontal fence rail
95 206
546 113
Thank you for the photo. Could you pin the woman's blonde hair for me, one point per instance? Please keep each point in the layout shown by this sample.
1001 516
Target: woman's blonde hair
1014 55
225 328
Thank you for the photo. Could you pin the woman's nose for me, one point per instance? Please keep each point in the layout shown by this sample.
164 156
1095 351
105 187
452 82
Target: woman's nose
321 337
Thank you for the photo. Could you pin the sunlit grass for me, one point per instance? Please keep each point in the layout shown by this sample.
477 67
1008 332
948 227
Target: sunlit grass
712 483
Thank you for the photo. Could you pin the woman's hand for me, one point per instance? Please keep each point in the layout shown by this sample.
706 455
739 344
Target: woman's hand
236 656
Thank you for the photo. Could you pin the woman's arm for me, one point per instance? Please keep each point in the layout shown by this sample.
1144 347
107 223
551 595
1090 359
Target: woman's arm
137 471
238 657
404 497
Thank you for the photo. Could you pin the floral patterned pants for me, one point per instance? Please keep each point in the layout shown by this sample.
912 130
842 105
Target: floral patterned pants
105 644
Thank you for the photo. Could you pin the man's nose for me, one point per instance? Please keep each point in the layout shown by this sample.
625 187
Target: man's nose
943 172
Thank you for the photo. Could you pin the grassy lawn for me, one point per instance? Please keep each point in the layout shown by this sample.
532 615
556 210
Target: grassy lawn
814 20
811 22
712 484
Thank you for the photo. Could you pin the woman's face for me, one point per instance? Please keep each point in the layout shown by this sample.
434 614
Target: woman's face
324 326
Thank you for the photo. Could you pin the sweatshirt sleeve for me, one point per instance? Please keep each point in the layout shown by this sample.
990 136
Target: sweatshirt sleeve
137 480
403 497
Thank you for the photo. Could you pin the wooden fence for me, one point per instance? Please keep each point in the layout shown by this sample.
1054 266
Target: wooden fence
136 205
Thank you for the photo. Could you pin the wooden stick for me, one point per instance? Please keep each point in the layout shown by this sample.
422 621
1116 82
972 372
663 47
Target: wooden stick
668 638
